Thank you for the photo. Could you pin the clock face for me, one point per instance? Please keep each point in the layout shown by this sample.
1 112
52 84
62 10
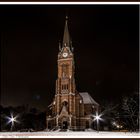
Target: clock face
65 54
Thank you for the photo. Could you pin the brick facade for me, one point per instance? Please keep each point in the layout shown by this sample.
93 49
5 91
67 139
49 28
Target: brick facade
69 110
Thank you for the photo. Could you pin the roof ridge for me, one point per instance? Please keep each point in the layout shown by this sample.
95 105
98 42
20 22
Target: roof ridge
87 98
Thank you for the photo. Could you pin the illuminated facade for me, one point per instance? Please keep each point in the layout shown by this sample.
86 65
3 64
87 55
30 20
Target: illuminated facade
69 108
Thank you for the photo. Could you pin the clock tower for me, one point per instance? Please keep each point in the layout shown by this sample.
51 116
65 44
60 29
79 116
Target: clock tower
65 82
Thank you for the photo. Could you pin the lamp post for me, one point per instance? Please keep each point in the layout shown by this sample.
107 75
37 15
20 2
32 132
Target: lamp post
80 102
97 118
12 120
48 119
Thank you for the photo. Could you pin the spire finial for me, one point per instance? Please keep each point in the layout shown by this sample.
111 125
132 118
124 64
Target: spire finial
66 17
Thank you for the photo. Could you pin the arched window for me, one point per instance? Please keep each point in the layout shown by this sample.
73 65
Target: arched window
65 70
65 87
65 103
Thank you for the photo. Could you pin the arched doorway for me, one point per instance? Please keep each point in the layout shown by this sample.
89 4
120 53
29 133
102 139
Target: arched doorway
65 125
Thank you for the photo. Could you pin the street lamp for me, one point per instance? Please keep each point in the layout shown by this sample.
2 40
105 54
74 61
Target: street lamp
80 102
12 120
97 118
117 125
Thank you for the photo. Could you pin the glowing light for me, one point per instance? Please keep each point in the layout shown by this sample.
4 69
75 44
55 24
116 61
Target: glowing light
54 103
97 117
12 119
114 123
118 126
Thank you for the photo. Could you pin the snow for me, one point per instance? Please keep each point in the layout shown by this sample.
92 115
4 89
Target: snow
70 134
87 99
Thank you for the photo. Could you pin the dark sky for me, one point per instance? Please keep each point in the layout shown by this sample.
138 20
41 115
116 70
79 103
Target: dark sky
105 40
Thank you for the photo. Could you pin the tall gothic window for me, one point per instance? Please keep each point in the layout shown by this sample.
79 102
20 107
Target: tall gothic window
64 70
65 87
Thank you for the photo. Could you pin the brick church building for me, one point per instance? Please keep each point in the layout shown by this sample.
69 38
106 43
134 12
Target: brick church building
69 109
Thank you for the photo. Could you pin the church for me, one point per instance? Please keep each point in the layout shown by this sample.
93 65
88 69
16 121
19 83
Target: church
69 109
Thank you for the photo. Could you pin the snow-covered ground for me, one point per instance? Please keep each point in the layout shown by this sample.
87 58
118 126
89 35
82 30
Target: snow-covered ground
69 134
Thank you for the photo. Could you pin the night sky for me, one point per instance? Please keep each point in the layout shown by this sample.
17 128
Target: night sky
106 48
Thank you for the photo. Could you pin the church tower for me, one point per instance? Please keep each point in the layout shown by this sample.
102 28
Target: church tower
67 109
65 83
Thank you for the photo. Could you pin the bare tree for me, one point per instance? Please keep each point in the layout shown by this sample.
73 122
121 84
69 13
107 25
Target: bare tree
130 111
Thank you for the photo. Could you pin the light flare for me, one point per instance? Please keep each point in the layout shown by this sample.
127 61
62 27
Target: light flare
97 117
12 119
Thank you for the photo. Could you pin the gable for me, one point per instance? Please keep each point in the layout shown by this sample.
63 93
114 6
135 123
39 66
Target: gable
87 99
64 111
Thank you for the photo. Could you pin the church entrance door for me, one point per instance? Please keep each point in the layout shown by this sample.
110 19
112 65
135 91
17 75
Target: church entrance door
65 125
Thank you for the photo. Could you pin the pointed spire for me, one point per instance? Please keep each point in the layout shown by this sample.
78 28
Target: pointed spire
66 37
